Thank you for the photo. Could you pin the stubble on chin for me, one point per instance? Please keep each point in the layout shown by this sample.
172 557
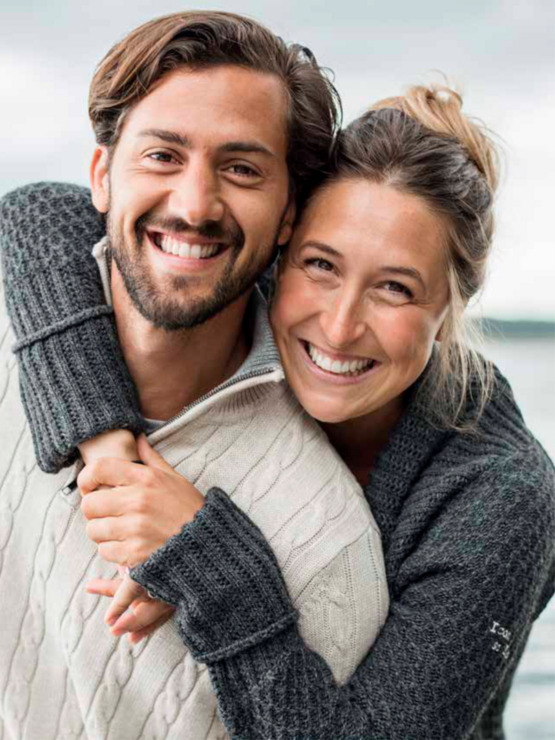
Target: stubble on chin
173 305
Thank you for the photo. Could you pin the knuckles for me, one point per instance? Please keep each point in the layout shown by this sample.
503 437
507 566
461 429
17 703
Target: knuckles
87 507
90 529
141 503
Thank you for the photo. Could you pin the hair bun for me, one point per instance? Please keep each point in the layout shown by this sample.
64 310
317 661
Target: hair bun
439 108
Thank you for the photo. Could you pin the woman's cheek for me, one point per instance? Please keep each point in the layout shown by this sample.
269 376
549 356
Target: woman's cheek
294 296
403 332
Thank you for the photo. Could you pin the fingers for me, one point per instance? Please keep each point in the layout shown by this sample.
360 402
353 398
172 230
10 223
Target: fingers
103 586
150 457
108 471
135 637
145 616
126 594
115 552
141 615
107 529
102 503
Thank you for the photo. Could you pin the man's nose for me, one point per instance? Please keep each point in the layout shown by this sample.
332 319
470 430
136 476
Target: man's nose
343 322
196 196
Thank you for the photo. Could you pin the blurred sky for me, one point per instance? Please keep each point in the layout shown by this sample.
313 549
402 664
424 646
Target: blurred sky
501 54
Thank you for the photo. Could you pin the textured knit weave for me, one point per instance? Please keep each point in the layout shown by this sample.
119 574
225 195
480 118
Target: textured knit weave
43 229
468 526
61 672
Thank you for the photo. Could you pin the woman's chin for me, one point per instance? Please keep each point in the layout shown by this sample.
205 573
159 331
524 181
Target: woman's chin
323 412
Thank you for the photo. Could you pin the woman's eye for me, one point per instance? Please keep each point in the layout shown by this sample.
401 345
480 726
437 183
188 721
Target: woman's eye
394 287
320 264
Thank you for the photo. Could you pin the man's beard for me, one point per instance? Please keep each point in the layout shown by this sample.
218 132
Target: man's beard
164 310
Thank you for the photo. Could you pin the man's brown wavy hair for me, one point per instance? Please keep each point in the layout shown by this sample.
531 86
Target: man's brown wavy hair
202 39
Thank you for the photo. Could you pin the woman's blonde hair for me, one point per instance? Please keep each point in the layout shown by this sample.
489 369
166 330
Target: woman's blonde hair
423 144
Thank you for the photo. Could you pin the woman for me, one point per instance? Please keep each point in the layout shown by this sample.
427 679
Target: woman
389 249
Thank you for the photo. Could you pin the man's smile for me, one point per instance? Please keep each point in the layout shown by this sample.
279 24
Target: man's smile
193 247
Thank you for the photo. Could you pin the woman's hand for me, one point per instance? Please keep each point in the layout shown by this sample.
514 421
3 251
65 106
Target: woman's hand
143 617
144 507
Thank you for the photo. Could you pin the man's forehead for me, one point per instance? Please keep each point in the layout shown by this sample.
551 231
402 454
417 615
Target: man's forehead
215 106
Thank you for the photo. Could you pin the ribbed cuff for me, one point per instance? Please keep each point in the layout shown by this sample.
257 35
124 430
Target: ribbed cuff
75 385
224 578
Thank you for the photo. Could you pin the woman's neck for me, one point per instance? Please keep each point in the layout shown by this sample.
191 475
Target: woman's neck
359 441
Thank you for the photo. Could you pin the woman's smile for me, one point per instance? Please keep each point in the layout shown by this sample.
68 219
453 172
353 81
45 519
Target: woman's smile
331 367
357 309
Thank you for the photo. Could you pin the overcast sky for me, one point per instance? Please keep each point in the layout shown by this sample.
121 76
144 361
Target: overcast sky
501 54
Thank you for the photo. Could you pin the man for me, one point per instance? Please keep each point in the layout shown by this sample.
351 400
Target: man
208 129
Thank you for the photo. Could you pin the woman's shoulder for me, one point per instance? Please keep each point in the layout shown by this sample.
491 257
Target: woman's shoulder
500 433
507 472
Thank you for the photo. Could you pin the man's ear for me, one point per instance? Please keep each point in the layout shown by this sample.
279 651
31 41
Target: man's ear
286 228
100 180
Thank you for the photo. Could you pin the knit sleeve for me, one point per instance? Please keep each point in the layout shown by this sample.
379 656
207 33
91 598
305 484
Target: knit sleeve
73 378
462 607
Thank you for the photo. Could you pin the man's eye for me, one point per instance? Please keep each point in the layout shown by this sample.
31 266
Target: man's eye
161 157
243 170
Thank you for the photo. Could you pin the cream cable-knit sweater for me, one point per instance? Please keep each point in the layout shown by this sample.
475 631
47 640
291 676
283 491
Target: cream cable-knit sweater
62 675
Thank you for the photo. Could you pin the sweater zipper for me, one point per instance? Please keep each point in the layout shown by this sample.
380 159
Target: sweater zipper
215 391
105 277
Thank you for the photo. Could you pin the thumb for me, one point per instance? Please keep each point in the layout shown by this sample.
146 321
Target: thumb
150 457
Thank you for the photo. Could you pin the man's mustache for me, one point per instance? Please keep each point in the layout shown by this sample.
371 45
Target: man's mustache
209 229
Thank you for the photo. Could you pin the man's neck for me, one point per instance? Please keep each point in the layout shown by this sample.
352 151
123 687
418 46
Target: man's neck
171 370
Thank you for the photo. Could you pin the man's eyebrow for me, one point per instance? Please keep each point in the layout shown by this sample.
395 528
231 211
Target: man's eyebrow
173 137
247 147
170 137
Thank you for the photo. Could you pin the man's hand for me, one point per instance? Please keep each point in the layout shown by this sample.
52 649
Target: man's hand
144 507
116 443
145 614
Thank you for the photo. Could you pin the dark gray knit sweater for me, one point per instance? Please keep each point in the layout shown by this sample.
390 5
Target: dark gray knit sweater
467 522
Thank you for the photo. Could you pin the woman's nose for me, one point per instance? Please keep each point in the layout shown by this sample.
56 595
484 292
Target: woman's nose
342 323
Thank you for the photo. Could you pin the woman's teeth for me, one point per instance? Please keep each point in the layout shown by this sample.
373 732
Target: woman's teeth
184 249
335 366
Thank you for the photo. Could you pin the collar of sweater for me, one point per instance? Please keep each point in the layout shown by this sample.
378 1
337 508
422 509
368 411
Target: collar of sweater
262 365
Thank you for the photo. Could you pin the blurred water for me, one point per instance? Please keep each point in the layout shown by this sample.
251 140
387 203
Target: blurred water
529 365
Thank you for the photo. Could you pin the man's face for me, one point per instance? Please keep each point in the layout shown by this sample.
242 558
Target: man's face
197 192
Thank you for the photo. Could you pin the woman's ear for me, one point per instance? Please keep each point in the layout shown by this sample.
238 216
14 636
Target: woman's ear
100 179
286 228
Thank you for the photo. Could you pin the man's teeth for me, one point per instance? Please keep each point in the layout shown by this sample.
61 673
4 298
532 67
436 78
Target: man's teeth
184 249
335 366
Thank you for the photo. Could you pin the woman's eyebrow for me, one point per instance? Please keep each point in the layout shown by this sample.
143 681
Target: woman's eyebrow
323 247
406 271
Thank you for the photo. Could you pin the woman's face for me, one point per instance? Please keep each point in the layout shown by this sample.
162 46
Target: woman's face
362 293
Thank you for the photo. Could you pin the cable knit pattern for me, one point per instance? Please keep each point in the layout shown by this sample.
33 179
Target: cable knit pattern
62 675
43 229
468 528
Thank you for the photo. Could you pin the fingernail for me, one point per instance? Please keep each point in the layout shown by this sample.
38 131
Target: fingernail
111 621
